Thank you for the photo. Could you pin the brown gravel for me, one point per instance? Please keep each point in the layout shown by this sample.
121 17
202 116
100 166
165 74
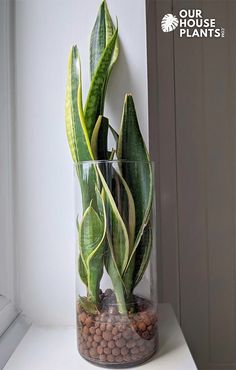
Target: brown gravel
124 351
109 338
107 350
100 350
103 326
104 343
120 343
111 344
116 351
103 358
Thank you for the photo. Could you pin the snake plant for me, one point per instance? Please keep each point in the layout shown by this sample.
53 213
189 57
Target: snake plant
123 249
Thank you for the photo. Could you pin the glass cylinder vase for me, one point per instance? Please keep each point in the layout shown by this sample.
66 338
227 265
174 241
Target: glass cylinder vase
116 295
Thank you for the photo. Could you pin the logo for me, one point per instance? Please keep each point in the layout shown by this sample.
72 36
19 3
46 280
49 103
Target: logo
169 23
192 24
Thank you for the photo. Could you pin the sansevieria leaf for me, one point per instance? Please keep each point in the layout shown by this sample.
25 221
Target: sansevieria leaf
118 245
116 227
138 175
102 33
116 230
75 125
125 205
76 128
83 271
98 39
139 261
142 255
92 106
109 32
99 138
114 134
92 230
117 282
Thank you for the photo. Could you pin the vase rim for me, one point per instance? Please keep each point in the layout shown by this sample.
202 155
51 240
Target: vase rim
100 161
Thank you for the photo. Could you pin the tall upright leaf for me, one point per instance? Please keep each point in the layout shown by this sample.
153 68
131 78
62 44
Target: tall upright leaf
92 106
131 147
125 205
142 255
75 126
138 175
139 261
102 33
116 230
117 282
109 32
98 39
118 244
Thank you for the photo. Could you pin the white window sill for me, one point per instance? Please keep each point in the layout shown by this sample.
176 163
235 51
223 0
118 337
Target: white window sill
11 338
13 327
47 348
8 313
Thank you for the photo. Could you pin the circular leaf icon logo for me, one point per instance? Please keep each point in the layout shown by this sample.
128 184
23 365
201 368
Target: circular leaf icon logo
169 23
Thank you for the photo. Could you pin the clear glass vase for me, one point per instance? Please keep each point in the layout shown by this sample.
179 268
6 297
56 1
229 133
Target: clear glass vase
116 297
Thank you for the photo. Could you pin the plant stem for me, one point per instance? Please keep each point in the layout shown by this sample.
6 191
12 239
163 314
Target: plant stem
117 286
120 297
128 280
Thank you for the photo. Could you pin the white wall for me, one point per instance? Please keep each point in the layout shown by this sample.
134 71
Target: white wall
45 30
6 217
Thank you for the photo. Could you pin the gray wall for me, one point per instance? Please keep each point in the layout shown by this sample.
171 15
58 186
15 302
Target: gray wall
192 91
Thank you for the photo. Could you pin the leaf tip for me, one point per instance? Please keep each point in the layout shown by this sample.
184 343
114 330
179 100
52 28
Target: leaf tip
74 48
117 24
129 100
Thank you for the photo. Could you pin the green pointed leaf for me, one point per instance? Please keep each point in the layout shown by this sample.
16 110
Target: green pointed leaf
116 230
95 260
92 230
82 271
109 32
114 134
90 233
125 205
102 33
92 107
139 261
75 126
117 281
101 209
98 40
131 147
76 129
142 255
99 139
88 179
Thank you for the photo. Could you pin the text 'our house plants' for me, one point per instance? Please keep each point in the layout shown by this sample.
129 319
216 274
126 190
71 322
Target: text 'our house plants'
116 306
